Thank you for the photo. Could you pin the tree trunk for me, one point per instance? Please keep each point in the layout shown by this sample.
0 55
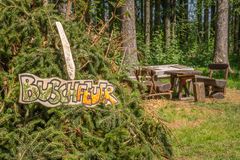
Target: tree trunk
221 37
137 15
206 21
183 23
157 14
167 23
128 33
236 34
142 12
199 17
147 22
152 8
213 17
174 18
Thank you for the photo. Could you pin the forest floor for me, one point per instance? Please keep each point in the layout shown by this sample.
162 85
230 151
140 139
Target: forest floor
209 130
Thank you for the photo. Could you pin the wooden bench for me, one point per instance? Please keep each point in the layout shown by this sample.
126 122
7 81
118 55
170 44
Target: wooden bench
147 78
215 88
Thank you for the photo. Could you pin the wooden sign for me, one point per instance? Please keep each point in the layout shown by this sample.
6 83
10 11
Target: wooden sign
67 51
52 92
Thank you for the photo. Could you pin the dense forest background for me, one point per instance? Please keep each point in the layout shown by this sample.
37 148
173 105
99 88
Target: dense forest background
172 31
105 36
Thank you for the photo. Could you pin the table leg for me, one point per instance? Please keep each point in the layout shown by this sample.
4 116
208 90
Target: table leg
172 82
183 85
180 89
186 87
186 91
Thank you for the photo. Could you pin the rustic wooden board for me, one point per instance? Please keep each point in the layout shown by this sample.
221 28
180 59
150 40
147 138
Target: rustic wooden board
183 72
221 83
67 51
218 66
162 69
52 92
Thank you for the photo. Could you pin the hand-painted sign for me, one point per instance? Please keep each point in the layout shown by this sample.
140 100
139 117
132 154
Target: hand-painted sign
53 92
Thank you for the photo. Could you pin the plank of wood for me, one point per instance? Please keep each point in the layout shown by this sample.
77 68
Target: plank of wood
67 51
221 83
161 69
183 72
186 98
199 91
162 87
169 67
218 66
178 66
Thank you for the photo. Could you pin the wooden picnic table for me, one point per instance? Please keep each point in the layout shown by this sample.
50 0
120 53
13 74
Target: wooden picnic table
175 72
183 76
161 69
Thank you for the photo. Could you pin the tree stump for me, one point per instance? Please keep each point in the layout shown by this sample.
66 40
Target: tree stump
199 91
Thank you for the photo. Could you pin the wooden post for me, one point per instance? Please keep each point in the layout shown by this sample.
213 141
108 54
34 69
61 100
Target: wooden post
67 52
199 91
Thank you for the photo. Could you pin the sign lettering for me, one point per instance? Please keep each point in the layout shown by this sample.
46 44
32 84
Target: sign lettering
53 92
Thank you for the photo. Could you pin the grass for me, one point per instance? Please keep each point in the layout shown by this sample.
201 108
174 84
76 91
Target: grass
214 135
234 83
217 138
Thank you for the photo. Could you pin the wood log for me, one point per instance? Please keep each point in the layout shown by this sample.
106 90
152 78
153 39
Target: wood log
217 95
199 91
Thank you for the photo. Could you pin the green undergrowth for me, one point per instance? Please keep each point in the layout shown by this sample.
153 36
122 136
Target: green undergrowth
29 43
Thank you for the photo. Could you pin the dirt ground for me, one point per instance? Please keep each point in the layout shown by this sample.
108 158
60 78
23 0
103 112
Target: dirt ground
187 109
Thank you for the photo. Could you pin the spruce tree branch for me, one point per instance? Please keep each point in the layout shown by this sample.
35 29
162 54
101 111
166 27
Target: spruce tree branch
107 24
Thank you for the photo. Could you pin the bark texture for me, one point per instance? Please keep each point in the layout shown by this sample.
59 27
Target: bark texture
174 17
221 38
213 17
199 17
157 14
206 20
167 22
147 22
128 32
236 34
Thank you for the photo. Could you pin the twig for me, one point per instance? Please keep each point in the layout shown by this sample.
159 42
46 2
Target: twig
85 65
108 48
124 55
68 12
75 6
